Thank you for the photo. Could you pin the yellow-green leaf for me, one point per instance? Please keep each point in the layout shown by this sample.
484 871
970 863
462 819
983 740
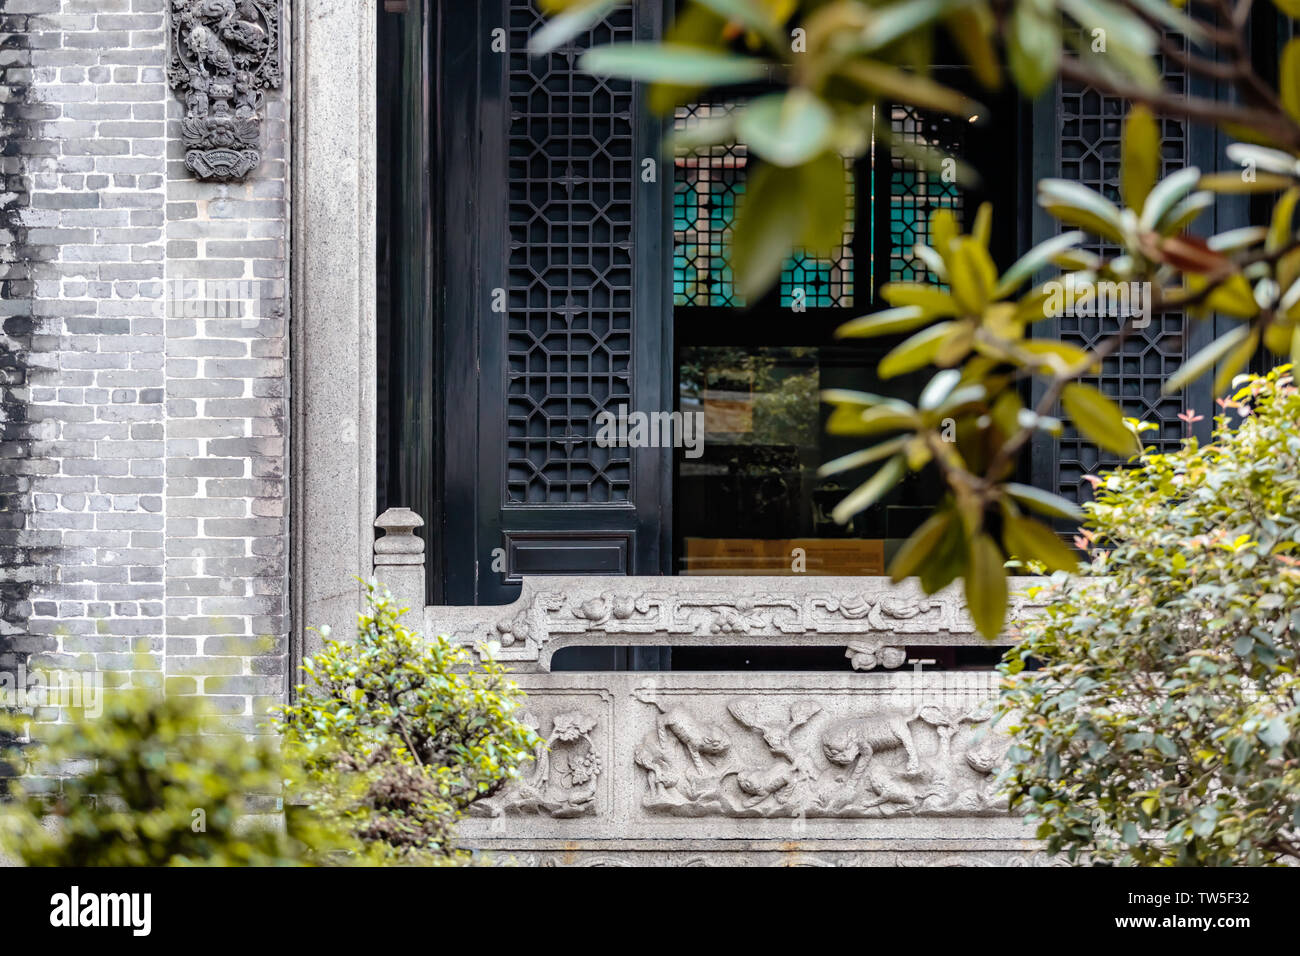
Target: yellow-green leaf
1029 540
1140 156
888 322
915 352
986 586
1289 78
1098 419
921 545
871 490
972 274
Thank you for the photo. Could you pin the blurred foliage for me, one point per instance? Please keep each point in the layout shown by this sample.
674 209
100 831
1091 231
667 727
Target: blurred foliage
823 68
1162 725
144 785
396 735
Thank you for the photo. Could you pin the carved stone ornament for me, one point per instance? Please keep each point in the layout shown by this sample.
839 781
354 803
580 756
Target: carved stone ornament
224 55
875 618
562 780
886 757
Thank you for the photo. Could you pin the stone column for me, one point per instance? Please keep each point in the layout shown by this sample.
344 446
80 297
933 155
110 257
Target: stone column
333 323
399 560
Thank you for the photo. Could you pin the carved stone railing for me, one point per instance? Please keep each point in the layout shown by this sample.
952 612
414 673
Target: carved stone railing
875 767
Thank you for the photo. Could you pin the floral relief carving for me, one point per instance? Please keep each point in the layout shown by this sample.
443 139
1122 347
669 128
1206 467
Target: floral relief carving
564 775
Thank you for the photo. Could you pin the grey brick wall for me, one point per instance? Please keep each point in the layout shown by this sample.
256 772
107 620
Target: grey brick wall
145 373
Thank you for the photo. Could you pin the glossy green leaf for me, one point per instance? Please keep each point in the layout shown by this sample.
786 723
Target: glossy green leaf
768 225
1039 257
1031 540
1098 419
787 129
1044 502
871 490
1033 47
916 352
865 456
986 586
907 87
566 25
1205 359
826 200
1288 84
921 545
887 322
1139 157
669 63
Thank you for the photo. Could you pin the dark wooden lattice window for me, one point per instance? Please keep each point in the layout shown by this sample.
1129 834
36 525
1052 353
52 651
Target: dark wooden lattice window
1091 126
571 246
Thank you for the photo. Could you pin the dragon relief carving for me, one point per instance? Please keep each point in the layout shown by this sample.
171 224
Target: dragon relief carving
893 759
564 774
225 55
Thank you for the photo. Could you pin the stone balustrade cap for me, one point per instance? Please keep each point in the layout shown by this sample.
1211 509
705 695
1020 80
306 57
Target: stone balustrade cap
395 519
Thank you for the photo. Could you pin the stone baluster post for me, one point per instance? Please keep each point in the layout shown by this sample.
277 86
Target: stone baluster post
399 559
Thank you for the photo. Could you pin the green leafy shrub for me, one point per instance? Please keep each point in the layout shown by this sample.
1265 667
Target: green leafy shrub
1163 726
398 734
142 785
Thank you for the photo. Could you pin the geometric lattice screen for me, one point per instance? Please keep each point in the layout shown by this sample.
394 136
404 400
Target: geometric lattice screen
915 192
569 322
1091 124
708 183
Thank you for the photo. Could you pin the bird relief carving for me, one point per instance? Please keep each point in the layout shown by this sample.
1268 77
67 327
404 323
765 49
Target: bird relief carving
883 759
225 55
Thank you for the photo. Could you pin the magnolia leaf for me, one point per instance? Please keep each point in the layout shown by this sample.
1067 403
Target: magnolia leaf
564 26
866 456
1205 359
1288 84
896 20
931 299
826 200
908 87
1234 183
1044 502
1036 258
915 352
1078 205
672 63
888 322
1235 361
768 224
920 546
1030 540
1033 47
986 586
972 275
871 490
787 129
752 16
1165 194
971 29
1140 156
1279 229
1098 419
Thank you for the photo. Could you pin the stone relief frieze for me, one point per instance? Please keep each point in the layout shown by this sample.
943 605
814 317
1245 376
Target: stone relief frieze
563 779
863 757
225 55
862 613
